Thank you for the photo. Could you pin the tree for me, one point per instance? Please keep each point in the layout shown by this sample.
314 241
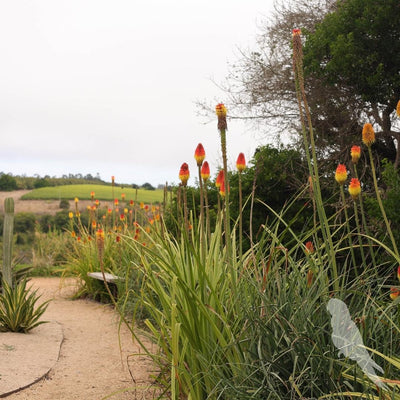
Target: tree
357 47
7 183
260 86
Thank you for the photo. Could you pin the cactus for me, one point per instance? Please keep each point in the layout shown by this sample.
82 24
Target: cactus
8 239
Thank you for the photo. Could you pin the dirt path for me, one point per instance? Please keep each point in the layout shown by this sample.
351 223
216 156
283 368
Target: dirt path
90 365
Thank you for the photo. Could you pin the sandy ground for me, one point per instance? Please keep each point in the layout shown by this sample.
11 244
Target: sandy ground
38 206
91 364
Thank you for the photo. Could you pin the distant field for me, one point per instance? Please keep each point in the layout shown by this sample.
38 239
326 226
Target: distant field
102 192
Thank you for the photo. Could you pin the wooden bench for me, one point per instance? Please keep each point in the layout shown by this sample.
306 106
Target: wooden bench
111 279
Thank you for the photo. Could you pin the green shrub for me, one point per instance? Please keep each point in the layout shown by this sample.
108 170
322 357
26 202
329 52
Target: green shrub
24 222
17 308
64 204
7 183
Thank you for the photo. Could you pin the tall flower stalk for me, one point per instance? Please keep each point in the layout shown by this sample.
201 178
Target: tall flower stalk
311 156
199 156
240 166
341 177
368 138
205 175
220 110
355 153
184 177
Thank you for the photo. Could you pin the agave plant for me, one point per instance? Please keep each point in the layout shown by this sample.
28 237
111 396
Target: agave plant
17 308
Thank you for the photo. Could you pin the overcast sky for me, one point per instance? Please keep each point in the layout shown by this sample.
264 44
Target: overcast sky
108 87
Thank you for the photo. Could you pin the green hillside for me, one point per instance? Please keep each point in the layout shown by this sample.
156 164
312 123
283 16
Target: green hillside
102 192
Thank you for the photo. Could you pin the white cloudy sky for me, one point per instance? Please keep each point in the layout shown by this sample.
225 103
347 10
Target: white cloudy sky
108 87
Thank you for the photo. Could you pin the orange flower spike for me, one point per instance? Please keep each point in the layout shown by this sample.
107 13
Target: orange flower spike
123 196
141 205
184 174
241 163
109 211
355 153
131 203
220 110
341 174
368 134
76 200
100 234
125 211
354 188
97 203
205 171
122 217
94 225
222 189
220 178
199 154
394 293
309 247
398 108
116 202
113 179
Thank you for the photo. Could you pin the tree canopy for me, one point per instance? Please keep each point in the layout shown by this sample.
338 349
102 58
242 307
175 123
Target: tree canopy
352 65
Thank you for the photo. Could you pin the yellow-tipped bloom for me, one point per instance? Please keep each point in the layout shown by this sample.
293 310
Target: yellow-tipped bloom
394 293
355 153
199 154
241 163
70 215
220 110
76 199
184 174
398 108
354 188
368 135
341 174
205 171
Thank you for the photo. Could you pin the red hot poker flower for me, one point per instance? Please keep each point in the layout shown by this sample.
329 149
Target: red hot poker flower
220 179
241 163
341 174
296 32
184 174
394 293
355 153
205 171
368 135
199 154
354 188
220 110
398 272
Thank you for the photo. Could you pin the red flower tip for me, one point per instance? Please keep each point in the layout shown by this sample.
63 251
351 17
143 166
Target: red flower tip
296 32
241 162
199 154
354 188
205 171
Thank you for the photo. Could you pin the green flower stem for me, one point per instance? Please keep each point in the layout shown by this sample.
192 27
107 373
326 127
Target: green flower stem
226 182
359 233
346 215
364 222
378 197
240 217
201 219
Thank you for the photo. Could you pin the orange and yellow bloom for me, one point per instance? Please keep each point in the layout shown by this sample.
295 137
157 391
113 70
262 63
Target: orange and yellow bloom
184 174
354 188
199 154
355 153
220 178
368 135
341 174
241 163
398 108
205 171
220 110
394 293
